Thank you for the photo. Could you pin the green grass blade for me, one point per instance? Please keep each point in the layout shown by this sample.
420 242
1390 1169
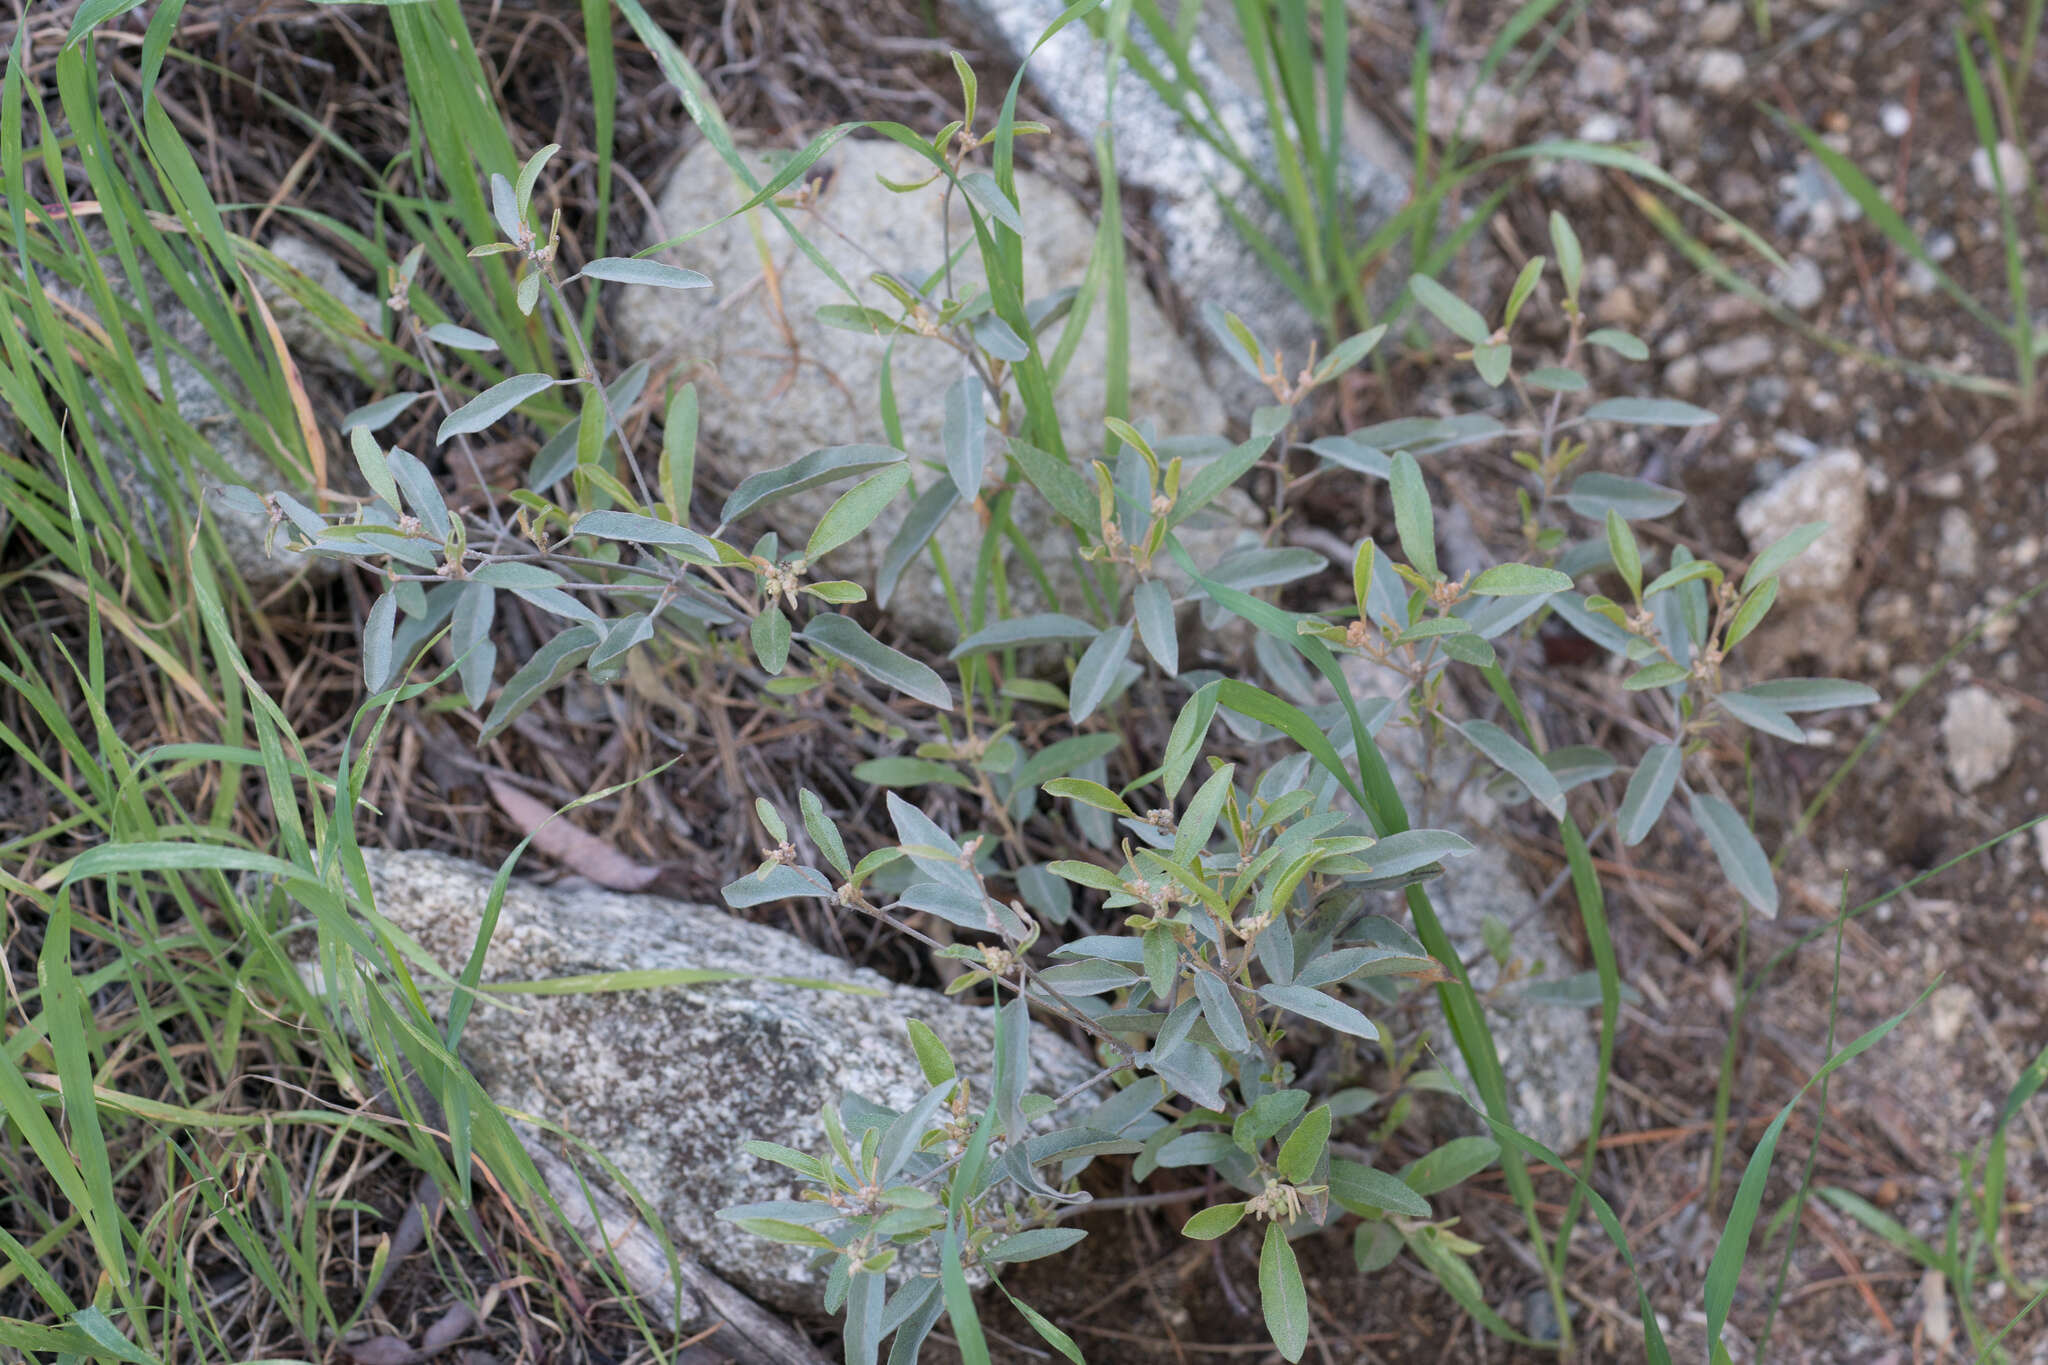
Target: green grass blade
1732 1250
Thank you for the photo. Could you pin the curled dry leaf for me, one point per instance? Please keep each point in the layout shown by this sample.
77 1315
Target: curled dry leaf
576 849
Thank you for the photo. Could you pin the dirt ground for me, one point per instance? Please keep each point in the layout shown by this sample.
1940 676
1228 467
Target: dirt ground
1899 1118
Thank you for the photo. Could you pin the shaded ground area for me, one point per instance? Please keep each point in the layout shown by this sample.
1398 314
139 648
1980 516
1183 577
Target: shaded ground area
1955 534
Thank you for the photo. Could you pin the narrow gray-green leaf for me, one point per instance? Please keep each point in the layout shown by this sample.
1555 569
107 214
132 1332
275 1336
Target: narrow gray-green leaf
1034 1243
1759 714
1782 551
459 338
492 404
818 467
1313 1004
1493 361
1362 1189
965 435
920 524
1812 694
375 469
1519 580
1741 857
1650 412
1453 312
769 635
380 414
1649 787
855 509
1413 521
1040 629
842 637
981 187
1152 605
635 270
1282 1296
421 495
1555 379
377 633
631 526
1219 1007
1096 672
551 663
1516 758
1592 494
1621 343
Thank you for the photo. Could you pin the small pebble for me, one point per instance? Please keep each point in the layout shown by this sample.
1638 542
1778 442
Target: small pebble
1795 445
1675 121
1743 355
1601 127
1720 71
1947 485
1957 553
1600 74
1682 376
1983 461
1800 287
1719 22
2012 165
1978 735
1894 119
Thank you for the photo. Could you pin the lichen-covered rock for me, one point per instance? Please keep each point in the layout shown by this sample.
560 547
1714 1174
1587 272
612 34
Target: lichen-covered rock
668 1084
777 383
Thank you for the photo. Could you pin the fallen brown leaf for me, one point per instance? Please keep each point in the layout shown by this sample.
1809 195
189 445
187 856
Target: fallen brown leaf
576 849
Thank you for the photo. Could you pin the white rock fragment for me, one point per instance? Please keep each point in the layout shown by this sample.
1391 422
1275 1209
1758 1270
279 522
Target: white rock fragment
1832 489
1948 1010
1744 355
1894 119
1601 127
1956 555
1801 286
2012 167
1719 72
1979 736
1719 22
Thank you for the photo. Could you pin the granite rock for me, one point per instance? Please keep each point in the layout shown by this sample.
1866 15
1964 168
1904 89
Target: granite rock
1188 179
777 383
1831 488
668 1084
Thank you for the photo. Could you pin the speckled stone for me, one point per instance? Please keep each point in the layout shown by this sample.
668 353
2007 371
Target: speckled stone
1189 181
776 383
1830 488
668 1084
